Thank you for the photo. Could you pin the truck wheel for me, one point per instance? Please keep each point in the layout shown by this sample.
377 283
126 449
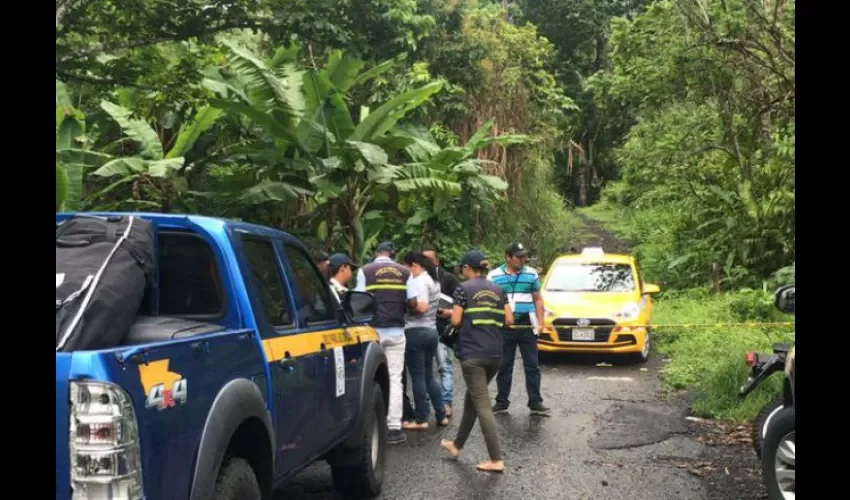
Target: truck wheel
761 423
364 476
236 481
778 461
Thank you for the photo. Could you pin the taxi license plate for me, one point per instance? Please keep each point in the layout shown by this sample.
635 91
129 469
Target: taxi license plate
583 334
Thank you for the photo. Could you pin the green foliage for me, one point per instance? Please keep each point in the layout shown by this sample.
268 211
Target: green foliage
710 360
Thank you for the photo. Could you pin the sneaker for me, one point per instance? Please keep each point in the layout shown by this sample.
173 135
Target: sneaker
500 408
396 436
539 409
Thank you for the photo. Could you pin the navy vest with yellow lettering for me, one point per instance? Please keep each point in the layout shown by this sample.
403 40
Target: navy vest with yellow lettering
480 334
387 281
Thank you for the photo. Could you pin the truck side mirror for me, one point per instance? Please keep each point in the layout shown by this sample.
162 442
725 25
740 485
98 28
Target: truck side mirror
360 307
651 288
785 299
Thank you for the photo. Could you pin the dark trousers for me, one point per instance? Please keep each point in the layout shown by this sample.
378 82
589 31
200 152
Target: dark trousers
419 354
524 338
408 413
477 373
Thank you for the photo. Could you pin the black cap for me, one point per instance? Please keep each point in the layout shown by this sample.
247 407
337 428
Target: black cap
475 259
386 246
340 259
516 249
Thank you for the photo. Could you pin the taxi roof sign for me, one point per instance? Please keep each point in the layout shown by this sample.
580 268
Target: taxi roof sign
592 252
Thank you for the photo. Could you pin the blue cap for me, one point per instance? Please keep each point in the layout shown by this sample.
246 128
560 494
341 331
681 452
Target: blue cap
340 259
386 246
475 259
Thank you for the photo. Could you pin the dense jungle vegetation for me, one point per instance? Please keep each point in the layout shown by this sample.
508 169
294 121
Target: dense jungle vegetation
456 123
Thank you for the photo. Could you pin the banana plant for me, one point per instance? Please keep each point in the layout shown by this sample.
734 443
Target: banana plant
315 137
73 153
152 165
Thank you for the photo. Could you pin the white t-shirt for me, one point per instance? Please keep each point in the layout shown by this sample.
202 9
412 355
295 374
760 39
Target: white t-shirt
424 289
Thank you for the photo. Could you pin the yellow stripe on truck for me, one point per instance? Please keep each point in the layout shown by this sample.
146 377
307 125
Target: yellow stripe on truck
305 344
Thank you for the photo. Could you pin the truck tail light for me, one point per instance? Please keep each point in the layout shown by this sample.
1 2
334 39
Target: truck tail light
751 359
104 443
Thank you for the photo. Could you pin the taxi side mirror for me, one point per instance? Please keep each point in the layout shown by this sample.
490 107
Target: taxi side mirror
651 288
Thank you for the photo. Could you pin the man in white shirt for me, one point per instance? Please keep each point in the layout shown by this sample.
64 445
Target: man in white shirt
387 281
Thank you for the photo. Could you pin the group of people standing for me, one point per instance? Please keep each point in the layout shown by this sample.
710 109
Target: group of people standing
493 311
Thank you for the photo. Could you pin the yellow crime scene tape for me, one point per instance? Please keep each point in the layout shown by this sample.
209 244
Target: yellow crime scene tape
680 325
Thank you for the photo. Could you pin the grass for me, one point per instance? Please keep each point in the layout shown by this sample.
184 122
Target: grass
708 361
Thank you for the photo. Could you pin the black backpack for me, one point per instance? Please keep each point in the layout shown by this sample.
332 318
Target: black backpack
104 266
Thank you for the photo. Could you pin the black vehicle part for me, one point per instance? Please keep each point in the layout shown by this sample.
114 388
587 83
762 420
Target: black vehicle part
374 372
778 458
238 425
104 266
237 481
363 473
762 421
148 329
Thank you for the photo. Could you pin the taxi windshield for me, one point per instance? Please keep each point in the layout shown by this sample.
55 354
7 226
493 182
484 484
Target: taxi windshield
584 277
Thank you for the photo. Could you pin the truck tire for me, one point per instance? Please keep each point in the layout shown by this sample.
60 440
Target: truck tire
236 481
363 477
778 461
762 421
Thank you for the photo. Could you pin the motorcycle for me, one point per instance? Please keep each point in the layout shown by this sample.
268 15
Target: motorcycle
762 366
774 428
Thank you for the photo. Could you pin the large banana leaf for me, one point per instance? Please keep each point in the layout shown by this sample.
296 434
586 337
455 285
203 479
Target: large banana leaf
136 129
342 70
272 191
61 186
388 114
190 132
326 109
266 90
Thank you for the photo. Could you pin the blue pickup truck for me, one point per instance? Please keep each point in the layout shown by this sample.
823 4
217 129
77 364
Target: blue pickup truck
241 368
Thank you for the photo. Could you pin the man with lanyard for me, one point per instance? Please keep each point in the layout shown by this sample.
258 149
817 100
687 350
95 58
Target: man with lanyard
448 283
522 287
387 281
342 271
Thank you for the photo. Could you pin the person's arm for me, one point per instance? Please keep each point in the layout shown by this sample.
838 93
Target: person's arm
361 281
417 296
459 304
509 313
538 300
453 283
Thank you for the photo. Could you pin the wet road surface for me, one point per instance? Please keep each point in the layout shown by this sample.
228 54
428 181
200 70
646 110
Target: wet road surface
610 435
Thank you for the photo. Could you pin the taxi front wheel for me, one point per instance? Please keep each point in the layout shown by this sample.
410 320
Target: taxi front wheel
646 351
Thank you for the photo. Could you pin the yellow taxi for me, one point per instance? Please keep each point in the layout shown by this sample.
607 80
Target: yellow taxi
597 302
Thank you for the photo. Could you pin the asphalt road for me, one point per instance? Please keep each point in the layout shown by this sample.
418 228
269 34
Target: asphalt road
609 435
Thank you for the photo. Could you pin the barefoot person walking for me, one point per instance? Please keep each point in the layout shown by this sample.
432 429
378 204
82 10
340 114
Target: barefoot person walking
480 310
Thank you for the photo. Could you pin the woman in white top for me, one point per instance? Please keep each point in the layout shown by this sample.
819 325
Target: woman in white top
420 331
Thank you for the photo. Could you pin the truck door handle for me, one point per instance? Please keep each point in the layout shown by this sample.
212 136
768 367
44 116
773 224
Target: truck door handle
201 347
244 337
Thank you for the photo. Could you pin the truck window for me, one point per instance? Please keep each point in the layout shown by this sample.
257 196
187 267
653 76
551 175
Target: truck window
266 272
315 303
189 279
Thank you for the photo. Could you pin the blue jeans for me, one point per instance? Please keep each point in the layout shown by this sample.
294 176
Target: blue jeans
419 355
446 369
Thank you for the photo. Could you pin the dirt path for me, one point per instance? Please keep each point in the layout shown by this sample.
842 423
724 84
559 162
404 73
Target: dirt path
593 234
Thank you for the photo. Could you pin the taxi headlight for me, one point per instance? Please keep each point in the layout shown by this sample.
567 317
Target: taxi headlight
631 311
